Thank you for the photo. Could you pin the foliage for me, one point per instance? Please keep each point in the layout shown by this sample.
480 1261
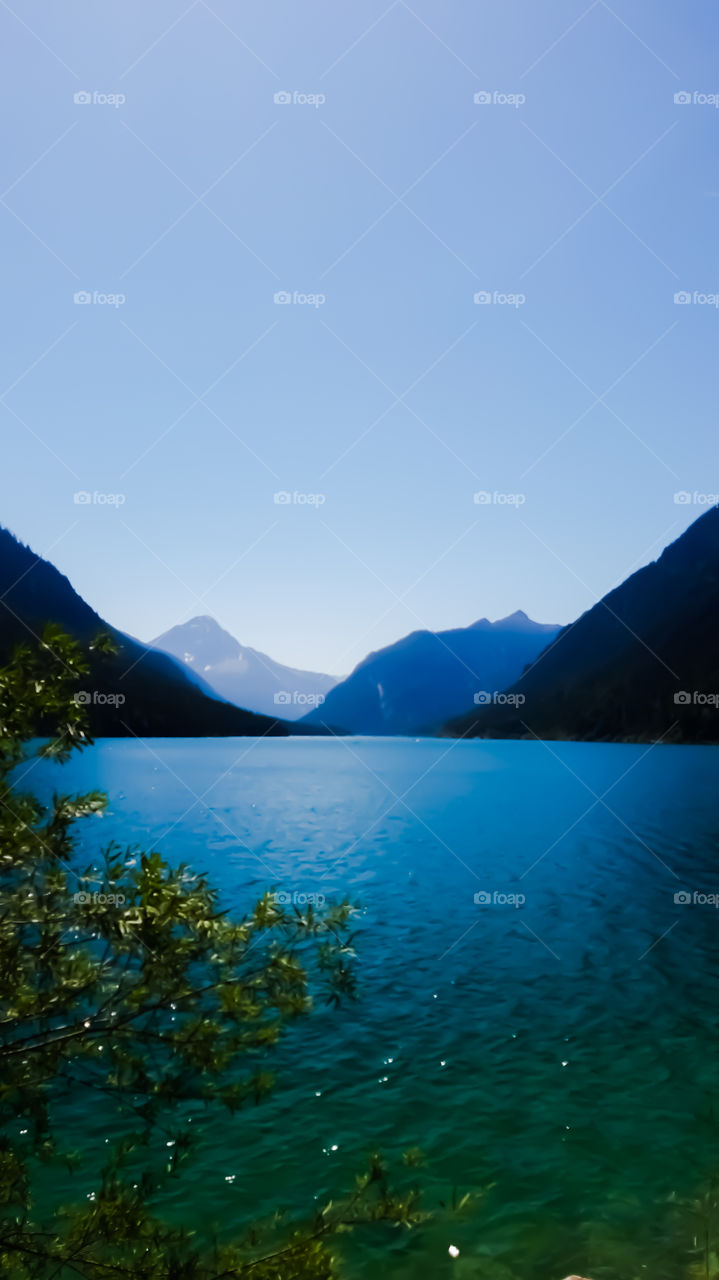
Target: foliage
129 981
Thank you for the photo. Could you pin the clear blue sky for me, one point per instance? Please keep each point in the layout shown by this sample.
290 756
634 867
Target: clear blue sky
398 198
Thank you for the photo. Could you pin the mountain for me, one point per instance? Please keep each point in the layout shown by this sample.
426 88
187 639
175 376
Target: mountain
642 663
159 697
242 675
420 682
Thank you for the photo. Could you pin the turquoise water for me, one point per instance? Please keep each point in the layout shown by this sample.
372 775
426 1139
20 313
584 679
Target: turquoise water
558 1056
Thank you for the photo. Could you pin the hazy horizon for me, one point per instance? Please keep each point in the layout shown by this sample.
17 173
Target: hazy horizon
340 674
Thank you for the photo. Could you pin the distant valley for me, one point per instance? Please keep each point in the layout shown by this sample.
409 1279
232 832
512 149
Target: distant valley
419 683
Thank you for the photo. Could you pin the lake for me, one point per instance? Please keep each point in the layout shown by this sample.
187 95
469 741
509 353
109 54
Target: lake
551 1047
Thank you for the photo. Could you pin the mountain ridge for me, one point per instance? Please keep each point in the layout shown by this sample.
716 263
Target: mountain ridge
158 696
241 674
409 686
618 671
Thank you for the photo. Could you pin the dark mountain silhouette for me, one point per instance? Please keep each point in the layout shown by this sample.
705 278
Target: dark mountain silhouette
242 675
417 684
642 663
160 698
